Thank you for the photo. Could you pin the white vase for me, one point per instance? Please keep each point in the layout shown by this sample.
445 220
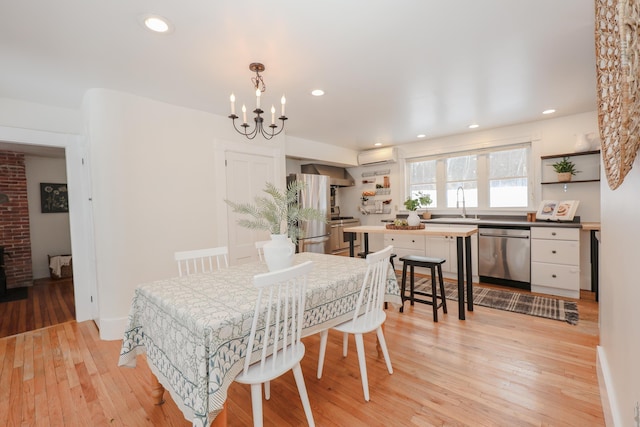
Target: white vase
413 219
278 253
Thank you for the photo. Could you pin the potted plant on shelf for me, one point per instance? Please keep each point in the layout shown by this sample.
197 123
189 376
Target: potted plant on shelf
565 169
412 204
280 215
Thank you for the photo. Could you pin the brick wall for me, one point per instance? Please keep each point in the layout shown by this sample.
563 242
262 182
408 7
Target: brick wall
14 220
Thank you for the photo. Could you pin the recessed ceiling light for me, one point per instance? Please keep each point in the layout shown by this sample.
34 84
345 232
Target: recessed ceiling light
377 144
157 24
473 126
549 111
317 92
422 135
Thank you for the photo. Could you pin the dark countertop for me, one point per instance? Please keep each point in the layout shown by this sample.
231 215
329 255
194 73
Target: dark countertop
499 221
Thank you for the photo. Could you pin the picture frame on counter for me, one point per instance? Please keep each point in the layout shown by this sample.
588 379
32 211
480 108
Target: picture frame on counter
557 210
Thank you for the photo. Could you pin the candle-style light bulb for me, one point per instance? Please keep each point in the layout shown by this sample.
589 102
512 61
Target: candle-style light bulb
273 115
244 114
232 98
258 93
283 100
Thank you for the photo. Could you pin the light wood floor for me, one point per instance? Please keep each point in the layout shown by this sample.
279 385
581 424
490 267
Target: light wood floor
494 369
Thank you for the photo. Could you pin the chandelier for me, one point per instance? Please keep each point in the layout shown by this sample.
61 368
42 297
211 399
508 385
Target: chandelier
259 127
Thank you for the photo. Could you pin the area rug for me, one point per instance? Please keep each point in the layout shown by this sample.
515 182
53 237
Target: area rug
517 302
14 294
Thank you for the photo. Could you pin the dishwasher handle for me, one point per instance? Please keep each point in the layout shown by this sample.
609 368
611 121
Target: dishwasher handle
505 236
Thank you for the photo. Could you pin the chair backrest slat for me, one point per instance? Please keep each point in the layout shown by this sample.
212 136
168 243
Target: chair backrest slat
202 260
279 311
371 298
260 248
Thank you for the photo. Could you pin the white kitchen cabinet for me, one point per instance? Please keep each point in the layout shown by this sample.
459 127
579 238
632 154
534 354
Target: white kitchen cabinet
406 245
555 261
446 247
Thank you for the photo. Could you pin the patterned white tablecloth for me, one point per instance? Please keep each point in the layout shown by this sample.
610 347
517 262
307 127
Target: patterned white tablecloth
194 329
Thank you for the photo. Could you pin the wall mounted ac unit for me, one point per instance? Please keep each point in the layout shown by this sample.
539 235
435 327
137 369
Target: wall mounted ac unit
378 156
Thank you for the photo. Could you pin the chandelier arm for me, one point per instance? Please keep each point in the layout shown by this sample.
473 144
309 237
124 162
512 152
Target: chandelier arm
249 135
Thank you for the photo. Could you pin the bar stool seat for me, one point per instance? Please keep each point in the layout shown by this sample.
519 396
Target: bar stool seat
433 264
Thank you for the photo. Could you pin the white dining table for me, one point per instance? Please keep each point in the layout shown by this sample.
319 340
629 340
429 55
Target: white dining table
194 329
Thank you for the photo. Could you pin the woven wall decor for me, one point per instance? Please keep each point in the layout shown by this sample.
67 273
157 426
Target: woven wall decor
617 36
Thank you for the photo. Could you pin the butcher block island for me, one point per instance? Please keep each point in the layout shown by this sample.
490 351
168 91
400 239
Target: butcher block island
414 242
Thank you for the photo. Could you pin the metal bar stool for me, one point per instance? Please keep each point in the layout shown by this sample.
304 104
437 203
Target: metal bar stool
427 262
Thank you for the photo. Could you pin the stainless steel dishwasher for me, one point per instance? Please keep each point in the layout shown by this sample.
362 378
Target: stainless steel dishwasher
504 256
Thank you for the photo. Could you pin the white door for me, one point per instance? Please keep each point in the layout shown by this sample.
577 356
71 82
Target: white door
246 176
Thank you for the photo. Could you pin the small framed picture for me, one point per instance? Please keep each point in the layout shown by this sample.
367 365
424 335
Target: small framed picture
555 210
546 209
53 198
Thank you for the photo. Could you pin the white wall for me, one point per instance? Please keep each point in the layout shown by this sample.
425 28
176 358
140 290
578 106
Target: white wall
21 114
155 191
50 233
619 351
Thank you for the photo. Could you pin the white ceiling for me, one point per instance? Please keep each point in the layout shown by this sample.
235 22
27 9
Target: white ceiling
391 69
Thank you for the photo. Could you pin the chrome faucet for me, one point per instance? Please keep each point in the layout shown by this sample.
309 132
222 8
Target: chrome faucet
464 208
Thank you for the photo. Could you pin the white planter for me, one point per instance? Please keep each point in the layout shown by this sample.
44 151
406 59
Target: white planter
278 253
413 219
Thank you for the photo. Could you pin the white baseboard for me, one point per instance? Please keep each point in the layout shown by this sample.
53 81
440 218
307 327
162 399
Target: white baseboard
612 415
112 329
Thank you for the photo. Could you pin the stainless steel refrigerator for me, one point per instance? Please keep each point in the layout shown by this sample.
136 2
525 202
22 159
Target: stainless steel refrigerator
316 194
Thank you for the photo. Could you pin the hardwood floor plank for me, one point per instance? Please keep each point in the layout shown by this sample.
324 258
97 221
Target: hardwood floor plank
14 412
52 397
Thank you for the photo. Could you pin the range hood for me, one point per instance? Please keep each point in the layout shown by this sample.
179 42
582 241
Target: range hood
338 177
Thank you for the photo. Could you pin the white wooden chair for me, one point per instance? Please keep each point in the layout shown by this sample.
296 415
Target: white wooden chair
259 248
280 306
368 316
202 260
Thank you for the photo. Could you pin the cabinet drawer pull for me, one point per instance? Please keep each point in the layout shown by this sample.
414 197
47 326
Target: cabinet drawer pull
553 233
553 251
554 276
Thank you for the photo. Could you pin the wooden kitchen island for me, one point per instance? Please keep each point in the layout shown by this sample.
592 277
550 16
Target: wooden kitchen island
460 232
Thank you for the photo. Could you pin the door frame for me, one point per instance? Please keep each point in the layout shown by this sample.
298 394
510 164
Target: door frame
80 220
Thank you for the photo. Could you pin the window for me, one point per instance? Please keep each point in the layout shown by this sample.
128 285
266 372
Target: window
423 180
462 172
485 179
508 178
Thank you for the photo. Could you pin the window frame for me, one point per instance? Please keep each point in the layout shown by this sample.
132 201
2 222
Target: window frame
483 176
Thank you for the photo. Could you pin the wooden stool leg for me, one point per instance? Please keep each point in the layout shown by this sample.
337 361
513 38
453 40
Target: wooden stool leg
442 293
404 285
412 284
434 294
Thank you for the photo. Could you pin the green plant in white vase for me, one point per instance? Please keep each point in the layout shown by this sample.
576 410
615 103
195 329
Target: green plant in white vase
279 214
413 203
